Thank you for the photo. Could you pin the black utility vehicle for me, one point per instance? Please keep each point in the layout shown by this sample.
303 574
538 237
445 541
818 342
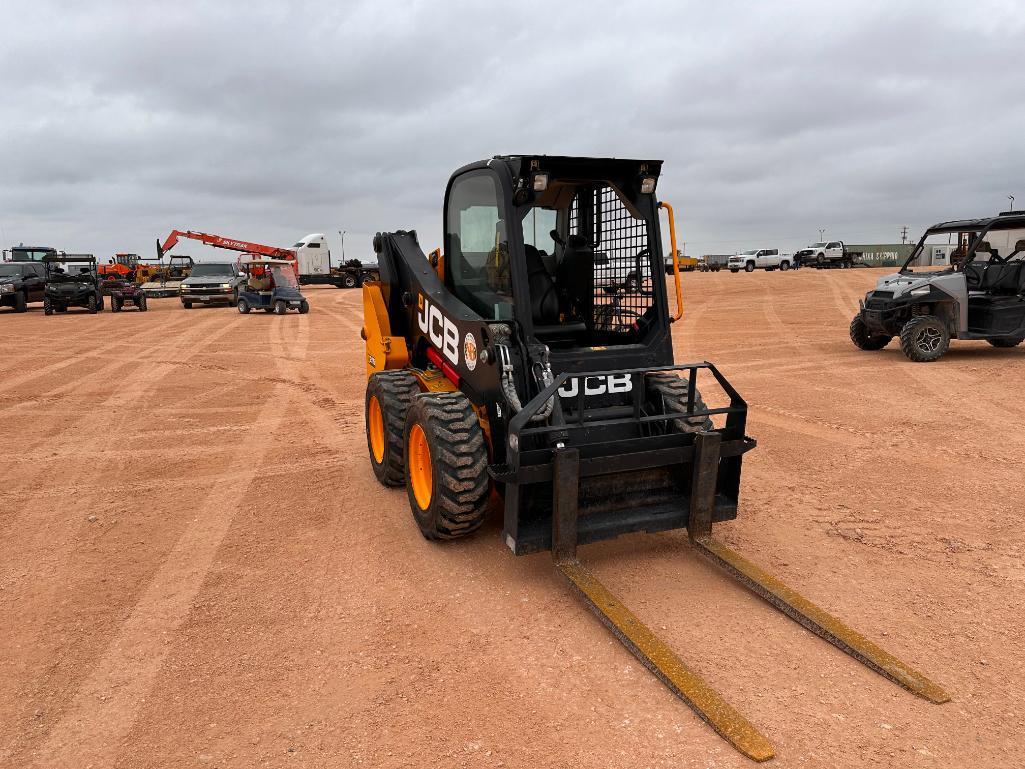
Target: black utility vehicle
71 281
964 280
21 283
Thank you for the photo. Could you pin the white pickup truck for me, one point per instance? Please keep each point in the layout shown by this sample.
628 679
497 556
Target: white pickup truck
767 259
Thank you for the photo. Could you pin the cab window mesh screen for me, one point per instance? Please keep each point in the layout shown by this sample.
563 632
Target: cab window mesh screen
622 264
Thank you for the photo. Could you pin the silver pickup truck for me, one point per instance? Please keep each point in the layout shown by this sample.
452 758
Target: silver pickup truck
211 283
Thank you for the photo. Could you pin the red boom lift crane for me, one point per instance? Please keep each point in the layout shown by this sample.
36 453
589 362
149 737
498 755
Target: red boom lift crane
218 241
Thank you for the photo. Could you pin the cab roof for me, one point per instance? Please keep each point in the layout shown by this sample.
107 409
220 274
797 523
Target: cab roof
1009 220
63 258
569 167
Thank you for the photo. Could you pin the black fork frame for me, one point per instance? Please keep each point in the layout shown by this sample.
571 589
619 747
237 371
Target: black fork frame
558 453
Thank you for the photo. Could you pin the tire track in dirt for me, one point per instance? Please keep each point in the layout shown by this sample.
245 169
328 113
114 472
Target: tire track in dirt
86 379
107 703
114 413
846 304
39 525
76 360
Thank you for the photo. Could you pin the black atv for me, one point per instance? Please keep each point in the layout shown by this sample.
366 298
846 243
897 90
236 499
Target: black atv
123 293
71 281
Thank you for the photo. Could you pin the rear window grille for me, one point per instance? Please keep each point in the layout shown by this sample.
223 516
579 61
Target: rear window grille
622 262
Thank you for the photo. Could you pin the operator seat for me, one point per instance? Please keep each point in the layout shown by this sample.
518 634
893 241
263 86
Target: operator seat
544 301
975 271
575 277
545 305
1002 279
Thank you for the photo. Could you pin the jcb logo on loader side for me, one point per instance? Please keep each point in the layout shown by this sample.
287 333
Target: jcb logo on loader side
438 328
598 385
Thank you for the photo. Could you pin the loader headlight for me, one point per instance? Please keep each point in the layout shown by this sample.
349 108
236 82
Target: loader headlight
919 291
647 185
540 182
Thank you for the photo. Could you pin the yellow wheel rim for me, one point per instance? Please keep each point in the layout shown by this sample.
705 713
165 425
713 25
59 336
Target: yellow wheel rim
375 424
420 467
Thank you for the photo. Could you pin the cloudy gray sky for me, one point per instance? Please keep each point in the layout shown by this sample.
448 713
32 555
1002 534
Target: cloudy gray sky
267 120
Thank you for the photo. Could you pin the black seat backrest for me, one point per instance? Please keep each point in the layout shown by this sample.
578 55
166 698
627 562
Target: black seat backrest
575 276
1002 279
974 274
544 301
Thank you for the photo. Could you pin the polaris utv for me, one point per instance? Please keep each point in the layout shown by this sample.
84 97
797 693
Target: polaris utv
71 281
964 280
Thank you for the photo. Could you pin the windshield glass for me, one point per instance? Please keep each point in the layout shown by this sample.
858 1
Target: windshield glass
940 251
29 254
7 270
818 245
210 269
284 276
752 252
59 271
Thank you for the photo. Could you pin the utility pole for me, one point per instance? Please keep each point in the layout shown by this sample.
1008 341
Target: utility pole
904 235
342 233
822 231
1011 198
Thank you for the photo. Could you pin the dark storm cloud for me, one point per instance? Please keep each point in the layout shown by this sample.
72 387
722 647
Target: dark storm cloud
268 120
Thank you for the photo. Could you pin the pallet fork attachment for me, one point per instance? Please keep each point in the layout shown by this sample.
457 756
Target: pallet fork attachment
642 642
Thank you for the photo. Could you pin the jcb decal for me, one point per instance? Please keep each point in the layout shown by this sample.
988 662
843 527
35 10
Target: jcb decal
439 329
598 385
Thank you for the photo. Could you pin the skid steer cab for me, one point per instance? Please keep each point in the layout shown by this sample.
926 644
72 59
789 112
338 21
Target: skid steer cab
270 285
531 361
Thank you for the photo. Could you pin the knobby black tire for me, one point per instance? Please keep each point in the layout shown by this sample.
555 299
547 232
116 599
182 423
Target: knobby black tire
395 391
459 464
863 339
671 391
909 339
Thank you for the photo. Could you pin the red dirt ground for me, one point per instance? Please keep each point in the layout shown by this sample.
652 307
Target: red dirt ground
198 568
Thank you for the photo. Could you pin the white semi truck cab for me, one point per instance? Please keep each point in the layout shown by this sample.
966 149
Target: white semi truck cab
316 268
313 255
